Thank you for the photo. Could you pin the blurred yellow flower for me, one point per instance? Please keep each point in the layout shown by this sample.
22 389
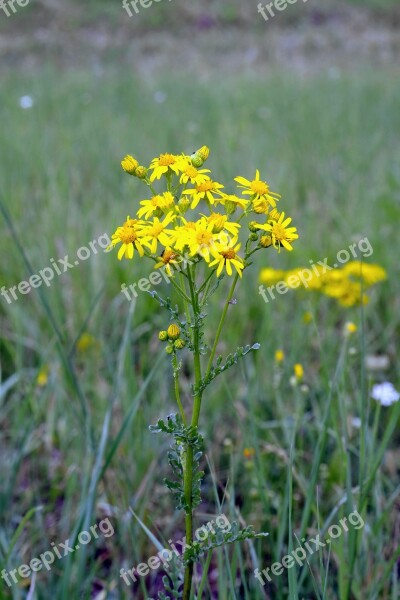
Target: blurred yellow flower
43 376
85 342
249 452
298 371
279 356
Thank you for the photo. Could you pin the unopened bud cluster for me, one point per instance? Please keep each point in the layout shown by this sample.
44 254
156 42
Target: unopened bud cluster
171 335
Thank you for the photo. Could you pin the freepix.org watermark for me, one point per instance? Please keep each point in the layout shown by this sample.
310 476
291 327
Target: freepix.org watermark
58 551
155 278
304 276
164 557
9 8
128 5
301 554
46 275
269 10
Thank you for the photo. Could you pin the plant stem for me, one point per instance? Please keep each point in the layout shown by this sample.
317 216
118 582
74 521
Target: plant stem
177 391
205 573
221 324
188 472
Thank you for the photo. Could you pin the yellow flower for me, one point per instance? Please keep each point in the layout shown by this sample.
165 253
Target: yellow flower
307 317
274 214
257 189
221 223
163 164
43 376
193 175
350 327
279 356
167 260
157 231
85 342
298 371
226 255
205 190
129 164
371 274
271 276
248 452
282 235
201 238
231 202
156 205
131 236
261 206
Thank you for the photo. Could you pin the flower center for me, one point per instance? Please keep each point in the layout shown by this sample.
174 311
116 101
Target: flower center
206 186
166 159
157 201
279 231
228 254
128 235
259 187
156 230
168 256
204 238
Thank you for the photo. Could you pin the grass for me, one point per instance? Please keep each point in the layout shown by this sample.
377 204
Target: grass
79 446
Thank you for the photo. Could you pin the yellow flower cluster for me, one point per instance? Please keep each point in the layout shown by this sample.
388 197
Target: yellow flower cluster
194 217
347 285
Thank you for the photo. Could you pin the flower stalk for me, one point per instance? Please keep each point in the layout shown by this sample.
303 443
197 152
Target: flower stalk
192 220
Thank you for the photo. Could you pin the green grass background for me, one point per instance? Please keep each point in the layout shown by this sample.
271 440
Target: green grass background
329 143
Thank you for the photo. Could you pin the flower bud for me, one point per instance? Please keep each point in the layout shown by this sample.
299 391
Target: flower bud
179 344
173 332
129 164
199 157
163 336
141 172
265 241
183 204
260 206
253 226
253 237
169 349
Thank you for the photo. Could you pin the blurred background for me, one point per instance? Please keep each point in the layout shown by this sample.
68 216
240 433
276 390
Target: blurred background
311 97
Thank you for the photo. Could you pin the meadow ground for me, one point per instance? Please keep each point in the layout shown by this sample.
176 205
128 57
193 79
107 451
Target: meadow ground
82 370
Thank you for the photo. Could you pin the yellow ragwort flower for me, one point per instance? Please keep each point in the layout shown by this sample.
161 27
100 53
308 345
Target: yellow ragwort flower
165 163
157 205
257 189
168 260
131 236
156 231
192 175
281 234
206 190
298 371
226 256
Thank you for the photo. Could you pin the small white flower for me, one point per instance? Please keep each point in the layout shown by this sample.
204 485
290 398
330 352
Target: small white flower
26 102
385 393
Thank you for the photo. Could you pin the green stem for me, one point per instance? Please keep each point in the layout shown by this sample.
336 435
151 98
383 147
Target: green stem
177 390
221 324
204 577
188 470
